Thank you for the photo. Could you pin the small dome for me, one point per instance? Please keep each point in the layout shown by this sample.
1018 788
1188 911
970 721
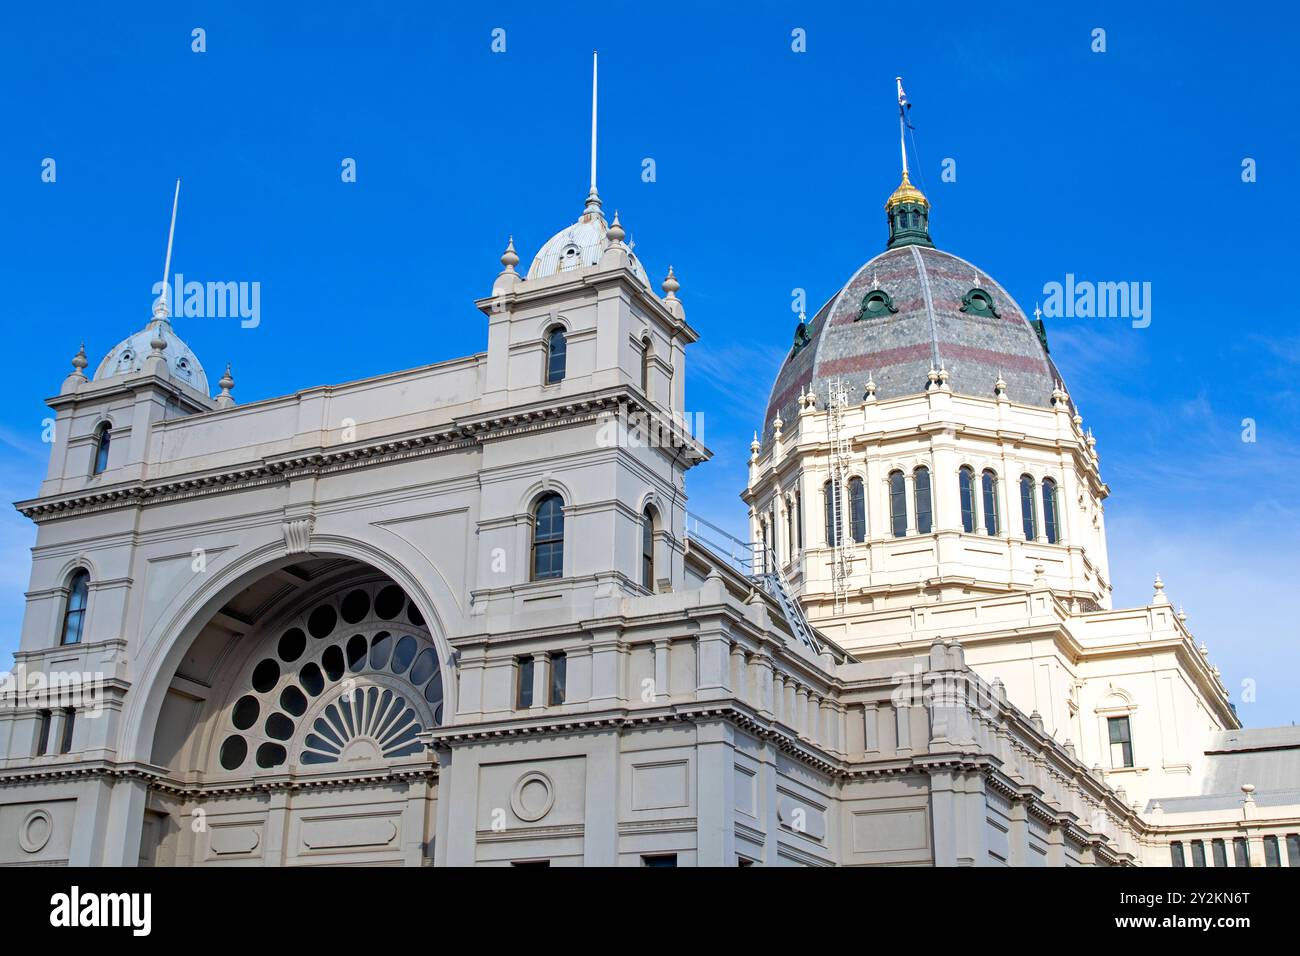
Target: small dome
907 311
906 192
128 357
579 247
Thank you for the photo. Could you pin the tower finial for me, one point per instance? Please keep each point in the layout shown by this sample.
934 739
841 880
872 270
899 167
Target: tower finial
907 208
593 197
160 309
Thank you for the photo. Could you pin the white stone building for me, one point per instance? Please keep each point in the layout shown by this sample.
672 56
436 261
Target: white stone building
452 615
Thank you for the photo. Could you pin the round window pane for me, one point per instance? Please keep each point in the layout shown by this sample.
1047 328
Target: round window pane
414 616
425 666
381 645
332 661
233 752
389 602
279 726
270 755
246 712
355 606
265 675
357 648
322 620
404 653
312 680
293 700
292 644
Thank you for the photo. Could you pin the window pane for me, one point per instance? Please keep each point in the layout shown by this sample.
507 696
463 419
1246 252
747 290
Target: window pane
524 696
548 538
857 510
921 491
1198 853
559 667
966 483
1176 854
75 612
556 356
1240 851
1049 510
43 735
70 719
990 482
897 504
1027 516
1220 853
1271 855
648 550
101 449
1293 849
834 533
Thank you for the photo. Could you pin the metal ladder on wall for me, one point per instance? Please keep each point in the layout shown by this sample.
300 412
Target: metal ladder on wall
759 564
841 457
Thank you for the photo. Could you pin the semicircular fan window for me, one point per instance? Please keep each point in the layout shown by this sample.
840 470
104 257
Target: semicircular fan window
354 678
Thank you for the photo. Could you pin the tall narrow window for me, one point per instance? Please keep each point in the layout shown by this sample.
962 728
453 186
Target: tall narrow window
897 504
834 532
1240 852
798 506
1198 853
557 350
648 549
69 722
989 483
559 674
43 733
1271 855
548 538
103 438
767 547
771 521
1051 514
966 485
789 526
524 686
1220 853
1293 849
645 366
1176 854
1028 516
1121 742
921 492
857 510
74 610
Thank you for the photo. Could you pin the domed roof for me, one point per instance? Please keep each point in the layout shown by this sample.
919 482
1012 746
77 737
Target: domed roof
910 309
128 356
580 246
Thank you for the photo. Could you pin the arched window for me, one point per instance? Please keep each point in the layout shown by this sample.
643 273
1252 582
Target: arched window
103 438
897 504
857 510
548 537
771 523
989 486
966 485
834 530
74 610
645 366
921 491
789 526
1051 515
557 350
1028 516
648 549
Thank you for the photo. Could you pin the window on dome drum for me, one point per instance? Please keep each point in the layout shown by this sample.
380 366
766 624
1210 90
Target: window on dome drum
1051 512
1271 855
921 492
1121 742
1220 852
43 733
1240 851
1028 516
1293 849
966 485
557 350
524 683
648 549
834 533
1176 854
1198 853
559 675
857 510
69 722
548 538
74 609
897 504
103 439
989 486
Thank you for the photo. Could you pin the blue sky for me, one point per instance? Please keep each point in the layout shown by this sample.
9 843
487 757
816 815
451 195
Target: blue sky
771 170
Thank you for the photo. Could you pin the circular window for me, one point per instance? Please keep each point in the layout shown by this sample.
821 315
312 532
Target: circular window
270 755
389 602
322 620
292 645
246 712
233 752
355 606
265 675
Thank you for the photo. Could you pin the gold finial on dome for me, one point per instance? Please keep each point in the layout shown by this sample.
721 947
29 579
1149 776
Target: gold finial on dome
906 192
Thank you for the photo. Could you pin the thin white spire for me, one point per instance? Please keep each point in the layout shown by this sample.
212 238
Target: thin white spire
593 197
161 309
903 106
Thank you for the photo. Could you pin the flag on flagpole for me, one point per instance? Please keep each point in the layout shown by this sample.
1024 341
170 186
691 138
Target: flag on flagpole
903 104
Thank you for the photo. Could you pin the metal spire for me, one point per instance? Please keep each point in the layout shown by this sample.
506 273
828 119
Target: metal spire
593 197
160 309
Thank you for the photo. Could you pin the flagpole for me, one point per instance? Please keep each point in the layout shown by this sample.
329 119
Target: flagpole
902 122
